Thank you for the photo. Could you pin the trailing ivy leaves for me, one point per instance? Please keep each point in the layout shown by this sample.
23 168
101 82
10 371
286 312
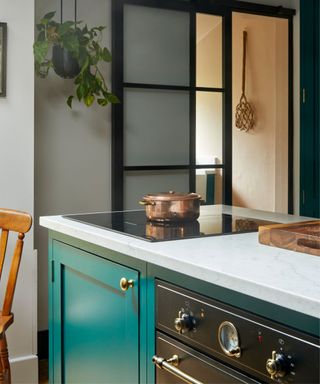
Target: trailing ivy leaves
84 45
40 50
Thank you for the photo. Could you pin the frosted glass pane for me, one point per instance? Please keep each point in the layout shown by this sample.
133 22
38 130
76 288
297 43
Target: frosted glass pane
137 184
209 51
156 46
156 127
209 128
209 185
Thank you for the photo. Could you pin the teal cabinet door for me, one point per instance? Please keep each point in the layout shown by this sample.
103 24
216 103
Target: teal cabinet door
310 108
94 323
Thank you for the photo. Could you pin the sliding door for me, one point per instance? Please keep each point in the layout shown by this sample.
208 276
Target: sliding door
168 129
174 65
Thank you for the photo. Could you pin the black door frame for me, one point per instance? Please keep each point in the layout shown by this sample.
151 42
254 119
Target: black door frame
222 8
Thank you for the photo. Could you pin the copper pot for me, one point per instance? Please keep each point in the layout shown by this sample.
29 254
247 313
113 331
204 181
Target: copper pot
172 206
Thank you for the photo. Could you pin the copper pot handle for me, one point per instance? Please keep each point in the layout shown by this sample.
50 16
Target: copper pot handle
144 202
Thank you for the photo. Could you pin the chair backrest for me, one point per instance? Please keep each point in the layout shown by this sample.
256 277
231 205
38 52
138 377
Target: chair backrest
16 221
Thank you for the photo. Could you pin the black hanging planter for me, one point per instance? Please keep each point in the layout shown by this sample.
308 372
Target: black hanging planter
64 64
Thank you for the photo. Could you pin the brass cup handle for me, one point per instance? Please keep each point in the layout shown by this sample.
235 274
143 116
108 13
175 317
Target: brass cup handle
170 365
125 284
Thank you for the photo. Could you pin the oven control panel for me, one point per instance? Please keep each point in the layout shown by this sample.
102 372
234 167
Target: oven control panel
261 348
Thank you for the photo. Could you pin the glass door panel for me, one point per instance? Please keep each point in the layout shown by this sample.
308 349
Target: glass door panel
209 50
138 184
209 128
209 107
156 46
209 185
156 127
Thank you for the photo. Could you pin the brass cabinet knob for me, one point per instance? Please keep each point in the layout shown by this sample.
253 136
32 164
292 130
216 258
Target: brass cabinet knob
125 284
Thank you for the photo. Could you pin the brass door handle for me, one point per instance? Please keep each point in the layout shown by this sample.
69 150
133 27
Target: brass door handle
170 365
125 284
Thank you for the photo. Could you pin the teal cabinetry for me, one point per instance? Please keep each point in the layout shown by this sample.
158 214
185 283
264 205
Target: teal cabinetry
94 324
101 334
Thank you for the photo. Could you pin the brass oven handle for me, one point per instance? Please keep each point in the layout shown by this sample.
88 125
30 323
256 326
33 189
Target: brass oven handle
170 365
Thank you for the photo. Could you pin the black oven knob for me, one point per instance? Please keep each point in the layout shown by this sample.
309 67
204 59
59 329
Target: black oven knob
277 366
185 322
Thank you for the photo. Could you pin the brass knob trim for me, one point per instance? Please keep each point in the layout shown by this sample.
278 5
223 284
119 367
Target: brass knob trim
125 284
184 322
277 366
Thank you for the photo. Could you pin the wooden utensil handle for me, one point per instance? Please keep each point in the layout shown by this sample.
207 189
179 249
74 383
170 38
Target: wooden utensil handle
245 34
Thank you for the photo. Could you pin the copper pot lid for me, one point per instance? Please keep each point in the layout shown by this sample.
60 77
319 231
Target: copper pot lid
172 196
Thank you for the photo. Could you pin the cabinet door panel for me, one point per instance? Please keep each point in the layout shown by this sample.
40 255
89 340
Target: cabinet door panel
94 319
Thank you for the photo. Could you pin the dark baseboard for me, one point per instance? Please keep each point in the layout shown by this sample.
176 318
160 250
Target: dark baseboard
43 344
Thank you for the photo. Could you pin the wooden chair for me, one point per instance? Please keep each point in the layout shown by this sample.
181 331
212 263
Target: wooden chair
20 222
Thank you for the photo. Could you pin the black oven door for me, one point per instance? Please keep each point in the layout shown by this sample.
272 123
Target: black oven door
177 363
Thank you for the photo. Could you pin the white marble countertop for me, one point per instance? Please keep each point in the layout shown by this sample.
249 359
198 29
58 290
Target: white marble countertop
238 262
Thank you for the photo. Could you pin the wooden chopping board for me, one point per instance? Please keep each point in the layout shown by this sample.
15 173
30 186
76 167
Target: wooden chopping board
300 237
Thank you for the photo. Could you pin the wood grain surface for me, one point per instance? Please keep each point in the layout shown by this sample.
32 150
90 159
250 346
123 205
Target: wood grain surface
300 237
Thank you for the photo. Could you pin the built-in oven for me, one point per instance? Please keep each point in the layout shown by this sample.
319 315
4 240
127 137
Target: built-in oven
187 365
201 340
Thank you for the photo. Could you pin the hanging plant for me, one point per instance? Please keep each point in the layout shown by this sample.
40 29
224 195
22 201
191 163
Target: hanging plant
76 52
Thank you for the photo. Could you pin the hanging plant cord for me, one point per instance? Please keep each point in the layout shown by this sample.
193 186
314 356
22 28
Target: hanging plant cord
244 118
75 11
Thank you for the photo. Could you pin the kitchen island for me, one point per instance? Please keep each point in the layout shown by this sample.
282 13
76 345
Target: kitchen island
87 263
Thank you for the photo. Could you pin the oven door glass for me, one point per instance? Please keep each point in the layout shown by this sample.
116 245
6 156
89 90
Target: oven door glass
198 367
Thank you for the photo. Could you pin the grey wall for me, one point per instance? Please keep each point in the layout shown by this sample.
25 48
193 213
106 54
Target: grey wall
72 148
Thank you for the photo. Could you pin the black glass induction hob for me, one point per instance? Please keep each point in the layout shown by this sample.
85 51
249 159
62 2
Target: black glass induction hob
135 223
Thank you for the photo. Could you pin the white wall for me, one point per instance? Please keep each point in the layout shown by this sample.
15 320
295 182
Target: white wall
16 189
72 147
